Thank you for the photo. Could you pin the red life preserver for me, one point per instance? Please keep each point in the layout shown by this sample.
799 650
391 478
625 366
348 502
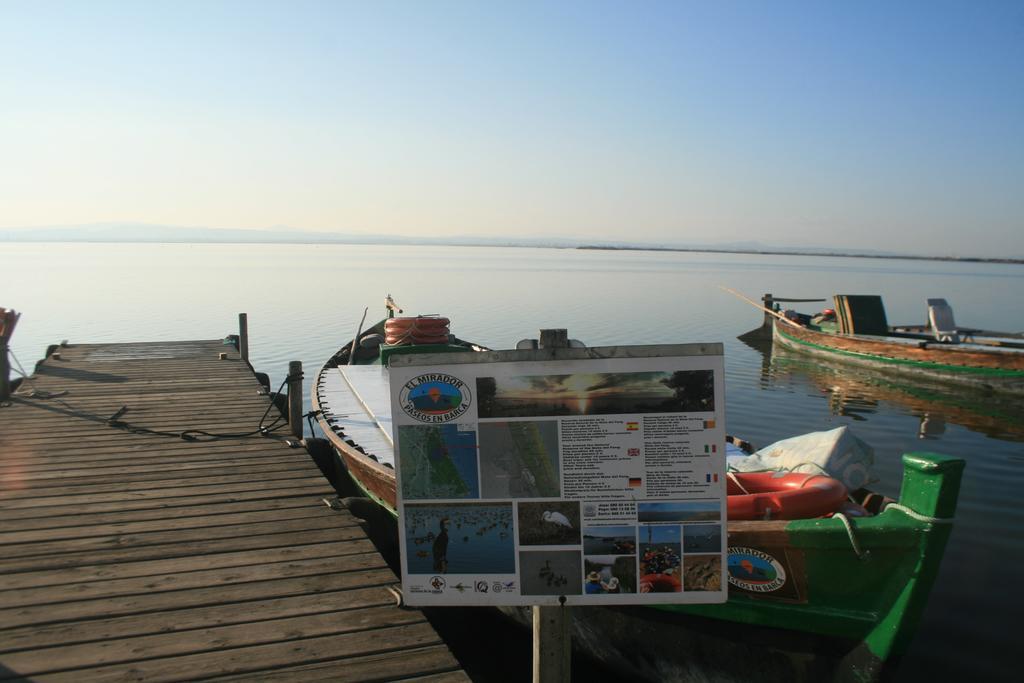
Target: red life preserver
762 495
419 330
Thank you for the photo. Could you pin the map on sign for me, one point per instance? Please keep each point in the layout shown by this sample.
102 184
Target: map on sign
596 475
439 461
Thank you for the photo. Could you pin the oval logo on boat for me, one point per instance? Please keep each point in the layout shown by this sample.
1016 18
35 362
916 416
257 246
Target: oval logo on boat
755 571
435 398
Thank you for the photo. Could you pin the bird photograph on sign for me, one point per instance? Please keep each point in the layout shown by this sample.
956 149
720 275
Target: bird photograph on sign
549 523
459 538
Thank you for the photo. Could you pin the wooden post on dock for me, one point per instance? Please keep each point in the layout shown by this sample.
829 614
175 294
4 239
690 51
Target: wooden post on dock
295 397
552 641
243 336
5 372
8 321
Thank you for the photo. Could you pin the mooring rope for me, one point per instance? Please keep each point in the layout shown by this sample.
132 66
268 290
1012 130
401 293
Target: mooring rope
865 554
861 554
917 515
36 392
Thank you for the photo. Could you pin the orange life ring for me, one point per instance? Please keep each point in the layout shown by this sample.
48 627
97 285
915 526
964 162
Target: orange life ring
762 495
418 330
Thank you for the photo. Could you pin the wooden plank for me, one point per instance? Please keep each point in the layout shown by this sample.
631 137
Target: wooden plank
109 436
216 640
172 449
249 398
337 557
74 552
258 658
155 496
173 621
178 396
283 550
120 472
24 526
43 432
75 415
51 470
183 452
156 525
379 667
316 579
309 487
204 481
46 430
82 408
252 470
143 386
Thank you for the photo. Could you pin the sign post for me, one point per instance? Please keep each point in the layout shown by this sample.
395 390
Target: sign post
552 639
557 476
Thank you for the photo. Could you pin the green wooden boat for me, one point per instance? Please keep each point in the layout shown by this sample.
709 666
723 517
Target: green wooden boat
831 598
856 331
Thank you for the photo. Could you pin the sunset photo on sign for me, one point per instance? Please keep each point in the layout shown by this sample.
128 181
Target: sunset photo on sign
597 394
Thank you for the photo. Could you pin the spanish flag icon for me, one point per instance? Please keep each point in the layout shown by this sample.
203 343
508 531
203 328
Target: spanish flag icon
632 426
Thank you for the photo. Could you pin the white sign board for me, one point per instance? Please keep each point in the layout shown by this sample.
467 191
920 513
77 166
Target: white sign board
598 475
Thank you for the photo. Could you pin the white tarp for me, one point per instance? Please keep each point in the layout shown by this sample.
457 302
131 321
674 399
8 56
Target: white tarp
836 452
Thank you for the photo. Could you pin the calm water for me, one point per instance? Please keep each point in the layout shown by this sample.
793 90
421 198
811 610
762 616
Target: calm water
303 301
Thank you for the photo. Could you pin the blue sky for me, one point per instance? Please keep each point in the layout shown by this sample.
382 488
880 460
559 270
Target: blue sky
872 125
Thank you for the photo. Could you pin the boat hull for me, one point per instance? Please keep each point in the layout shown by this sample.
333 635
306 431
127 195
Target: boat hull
375 480
981 369
640 644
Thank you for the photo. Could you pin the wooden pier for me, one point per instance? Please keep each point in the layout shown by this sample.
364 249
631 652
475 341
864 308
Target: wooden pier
128 553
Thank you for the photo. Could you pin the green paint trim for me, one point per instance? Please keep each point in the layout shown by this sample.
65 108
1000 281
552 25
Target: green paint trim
376 499
957 369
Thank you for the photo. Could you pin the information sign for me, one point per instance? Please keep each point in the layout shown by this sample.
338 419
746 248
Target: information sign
594 474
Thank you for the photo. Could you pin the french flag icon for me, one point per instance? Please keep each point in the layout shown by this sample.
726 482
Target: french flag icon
712 477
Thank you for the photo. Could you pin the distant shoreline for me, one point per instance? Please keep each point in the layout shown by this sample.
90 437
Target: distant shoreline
5 239
833 254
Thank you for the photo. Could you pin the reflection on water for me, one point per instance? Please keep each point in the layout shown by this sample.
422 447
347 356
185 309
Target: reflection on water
858 392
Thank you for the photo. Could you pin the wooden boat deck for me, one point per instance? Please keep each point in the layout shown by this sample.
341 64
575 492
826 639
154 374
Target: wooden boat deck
355 398
126 555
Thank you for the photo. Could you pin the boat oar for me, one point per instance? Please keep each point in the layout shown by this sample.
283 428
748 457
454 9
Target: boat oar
355 340
759 306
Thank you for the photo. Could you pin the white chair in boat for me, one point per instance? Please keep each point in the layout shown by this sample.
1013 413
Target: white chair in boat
940 319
